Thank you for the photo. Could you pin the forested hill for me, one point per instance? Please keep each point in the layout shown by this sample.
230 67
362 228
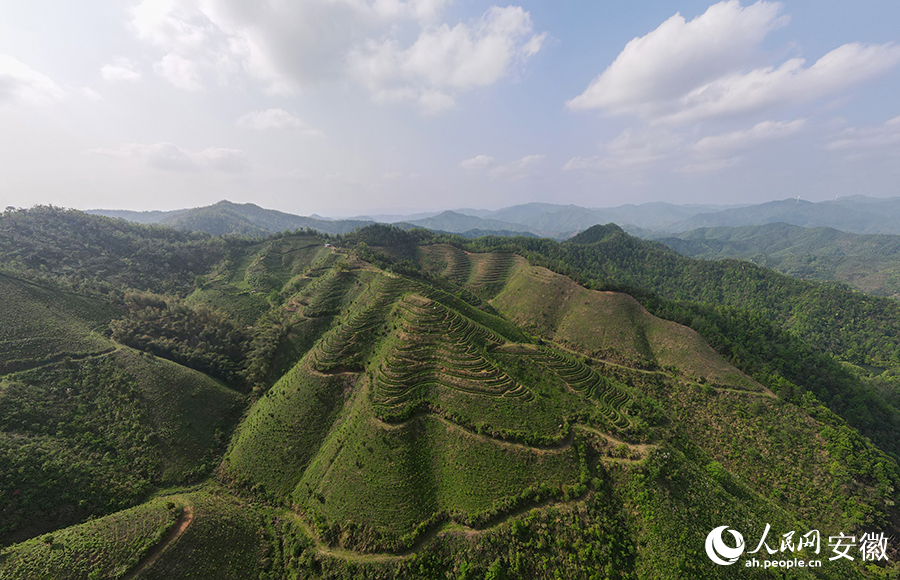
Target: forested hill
868 262
97 254
239 219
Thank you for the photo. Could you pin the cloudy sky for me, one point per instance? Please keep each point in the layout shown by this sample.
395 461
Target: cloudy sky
343 107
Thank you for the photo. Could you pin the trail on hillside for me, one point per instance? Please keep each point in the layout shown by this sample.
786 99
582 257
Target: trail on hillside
178 528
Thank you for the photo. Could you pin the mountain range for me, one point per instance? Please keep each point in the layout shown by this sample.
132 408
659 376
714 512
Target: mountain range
392 403
855 214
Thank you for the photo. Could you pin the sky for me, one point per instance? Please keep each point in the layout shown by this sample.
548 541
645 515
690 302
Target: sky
351 107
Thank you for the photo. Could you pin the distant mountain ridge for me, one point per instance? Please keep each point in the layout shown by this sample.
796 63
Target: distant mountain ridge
225 217
845 214
855 214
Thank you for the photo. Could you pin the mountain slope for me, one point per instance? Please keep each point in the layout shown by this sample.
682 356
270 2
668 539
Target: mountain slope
226 217
433 410
870 263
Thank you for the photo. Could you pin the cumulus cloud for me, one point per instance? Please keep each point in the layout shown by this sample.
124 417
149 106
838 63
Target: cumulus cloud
888 135
687 71
516 169
445 59
171 157
290 45
121 69
275 119
759 133
21 83
179 71
477 162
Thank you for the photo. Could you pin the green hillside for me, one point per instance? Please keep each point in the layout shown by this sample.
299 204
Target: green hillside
236 219
868 262
404 405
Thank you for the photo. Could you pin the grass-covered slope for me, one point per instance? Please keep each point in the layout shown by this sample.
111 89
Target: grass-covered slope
610 324
88 426
201 534
39 325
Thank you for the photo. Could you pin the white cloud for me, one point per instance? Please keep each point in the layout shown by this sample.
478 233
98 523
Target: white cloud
888 135
434 102
477 162
89 93
179 71
121 69
285 45
21 83
516 169
630 150
684 72
275 119
445 59
759 133
679 56
171 24
173 158
788 84
290 45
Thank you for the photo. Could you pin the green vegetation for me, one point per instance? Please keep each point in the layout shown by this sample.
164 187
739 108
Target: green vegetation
107 547
421 406
87 437
868 262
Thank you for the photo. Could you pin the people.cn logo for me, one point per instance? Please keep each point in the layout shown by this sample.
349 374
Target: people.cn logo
719 552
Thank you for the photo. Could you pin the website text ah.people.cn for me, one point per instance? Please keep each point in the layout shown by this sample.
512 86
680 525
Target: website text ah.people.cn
794 550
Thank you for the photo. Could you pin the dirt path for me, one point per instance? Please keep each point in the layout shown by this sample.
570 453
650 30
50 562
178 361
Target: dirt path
178 528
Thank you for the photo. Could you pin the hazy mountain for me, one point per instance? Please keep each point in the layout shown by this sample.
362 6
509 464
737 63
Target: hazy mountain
451 221
869 262
847 214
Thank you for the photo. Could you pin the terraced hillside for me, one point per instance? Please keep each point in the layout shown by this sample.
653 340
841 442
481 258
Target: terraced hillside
427 412
414 418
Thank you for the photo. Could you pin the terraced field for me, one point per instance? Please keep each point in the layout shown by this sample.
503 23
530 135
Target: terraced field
484 273
586 381
436 347
346 346
449 262
500 421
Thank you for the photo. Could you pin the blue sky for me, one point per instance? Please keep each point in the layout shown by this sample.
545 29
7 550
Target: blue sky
343 107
